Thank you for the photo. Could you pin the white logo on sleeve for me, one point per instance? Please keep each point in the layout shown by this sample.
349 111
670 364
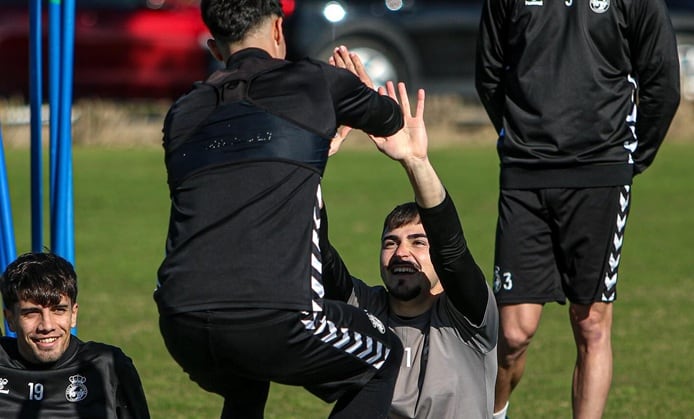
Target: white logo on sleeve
3 383
376 323
599 6
76 390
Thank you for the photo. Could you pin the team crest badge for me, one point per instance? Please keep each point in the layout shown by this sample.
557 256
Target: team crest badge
496 285
377 324
76 391
3 383
599 6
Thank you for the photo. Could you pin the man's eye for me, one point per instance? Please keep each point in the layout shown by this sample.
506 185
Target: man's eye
421 243
388 244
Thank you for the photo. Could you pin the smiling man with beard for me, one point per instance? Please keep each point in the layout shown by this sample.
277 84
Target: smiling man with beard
435 298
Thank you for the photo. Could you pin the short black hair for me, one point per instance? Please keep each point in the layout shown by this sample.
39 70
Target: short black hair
42 278
406 213
231 20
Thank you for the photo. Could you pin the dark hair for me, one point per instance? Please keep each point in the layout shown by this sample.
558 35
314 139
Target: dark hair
42 278
406 213
230 20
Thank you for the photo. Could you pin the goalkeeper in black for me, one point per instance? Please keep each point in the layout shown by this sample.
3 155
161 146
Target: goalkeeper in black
435 297
45 372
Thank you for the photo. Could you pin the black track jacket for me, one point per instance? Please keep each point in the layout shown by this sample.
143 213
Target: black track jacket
582 92
245 152
91 380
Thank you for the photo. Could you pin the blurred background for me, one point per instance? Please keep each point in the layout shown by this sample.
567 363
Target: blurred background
154 49
134 57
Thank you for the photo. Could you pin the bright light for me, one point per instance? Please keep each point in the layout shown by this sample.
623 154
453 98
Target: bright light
394 5
334 12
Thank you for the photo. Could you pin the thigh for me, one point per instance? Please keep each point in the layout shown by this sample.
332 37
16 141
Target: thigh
592 223
187 337
330 352
525 269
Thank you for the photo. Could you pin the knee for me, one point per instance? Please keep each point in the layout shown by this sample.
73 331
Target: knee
517 326
592 324
513 342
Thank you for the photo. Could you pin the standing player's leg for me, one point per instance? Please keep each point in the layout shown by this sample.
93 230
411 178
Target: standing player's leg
517 326
592 325
592 224
525 278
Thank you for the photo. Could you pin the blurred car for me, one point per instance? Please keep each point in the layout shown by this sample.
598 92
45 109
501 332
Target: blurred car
682 15
156 48
123 48
427 43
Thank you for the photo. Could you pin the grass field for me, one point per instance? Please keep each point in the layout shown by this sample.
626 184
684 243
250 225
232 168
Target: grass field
121 214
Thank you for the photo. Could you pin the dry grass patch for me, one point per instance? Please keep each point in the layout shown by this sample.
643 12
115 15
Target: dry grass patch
450 121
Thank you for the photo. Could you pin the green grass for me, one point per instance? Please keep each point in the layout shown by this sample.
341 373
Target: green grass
121 212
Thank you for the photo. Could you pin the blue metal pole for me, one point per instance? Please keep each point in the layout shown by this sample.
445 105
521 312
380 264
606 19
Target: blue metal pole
54 51
7 245
36 100
64 244
65 229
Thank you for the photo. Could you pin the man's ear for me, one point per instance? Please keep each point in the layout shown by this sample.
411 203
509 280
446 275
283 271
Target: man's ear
214 50
277 32
75 308
9 317
278 37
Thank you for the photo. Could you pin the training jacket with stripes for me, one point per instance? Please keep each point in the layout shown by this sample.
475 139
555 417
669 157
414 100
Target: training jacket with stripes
90 380
582 92
245 152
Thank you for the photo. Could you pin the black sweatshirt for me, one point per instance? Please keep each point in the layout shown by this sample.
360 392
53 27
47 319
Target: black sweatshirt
245 152
90 380
561 81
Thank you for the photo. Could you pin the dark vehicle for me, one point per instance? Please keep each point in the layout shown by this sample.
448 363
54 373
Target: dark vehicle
156 48
123 48
426 43
682 15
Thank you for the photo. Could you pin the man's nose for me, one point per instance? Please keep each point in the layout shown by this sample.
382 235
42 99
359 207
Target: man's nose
46 323
403 251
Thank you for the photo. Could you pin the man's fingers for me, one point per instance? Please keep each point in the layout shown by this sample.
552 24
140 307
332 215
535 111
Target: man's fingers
342 58
404 100
338 139
337 60
420 104
390 88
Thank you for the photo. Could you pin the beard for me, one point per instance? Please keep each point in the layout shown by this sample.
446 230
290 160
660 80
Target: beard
405 291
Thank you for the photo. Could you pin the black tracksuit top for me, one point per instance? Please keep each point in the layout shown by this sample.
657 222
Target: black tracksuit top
561 80
90 380
245 152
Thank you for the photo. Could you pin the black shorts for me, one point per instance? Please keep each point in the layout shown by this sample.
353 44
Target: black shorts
233 352
559 243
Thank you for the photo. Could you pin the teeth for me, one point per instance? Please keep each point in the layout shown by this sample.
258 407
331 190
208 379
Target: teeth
47 340
404 269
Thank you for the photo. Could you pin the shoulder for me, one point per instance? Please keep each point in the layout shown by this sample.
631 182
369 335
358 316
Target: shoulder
102 352
200 94
373 298
8 351
448 314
